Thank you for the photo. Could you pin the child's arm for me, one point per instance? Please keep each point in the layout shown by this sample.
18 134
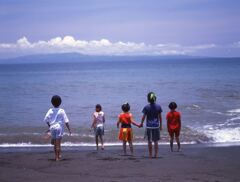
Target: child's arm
94 122
68 127
104 119
118 122
46 120
66 120
168 127
180 122
133 122
48 127
143 119
48 130
160 120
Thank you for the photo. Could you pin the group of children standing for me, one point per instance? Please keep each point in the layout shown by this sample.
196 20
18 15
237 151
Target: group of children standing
152 114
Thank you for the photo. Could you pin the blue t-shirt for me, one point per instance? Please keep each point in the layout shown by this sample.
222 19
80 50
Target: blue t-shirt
152 112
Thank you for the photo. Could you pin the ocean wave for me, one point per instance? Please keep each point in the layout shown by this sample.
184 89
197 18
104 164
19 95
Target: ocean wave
40 134
217 112
235 118
193 107
220 113
85 138
228 131
234 111
222 135
70 144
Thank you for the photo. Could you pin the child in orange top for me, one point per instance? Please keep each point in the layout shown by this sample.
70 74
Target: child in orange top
174 124
126 134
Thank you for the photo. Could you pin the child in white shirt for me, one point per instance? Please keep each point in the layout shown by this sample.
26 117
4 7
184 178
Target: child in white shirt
98 125
55 119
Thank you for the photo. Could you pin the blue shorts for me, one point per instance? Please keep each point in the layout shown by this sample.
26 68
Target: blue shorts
99 131
56 133
152 135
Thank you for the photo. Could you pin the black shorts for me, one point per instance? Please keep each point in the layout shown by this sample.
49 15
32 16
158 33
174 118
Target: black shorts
152 135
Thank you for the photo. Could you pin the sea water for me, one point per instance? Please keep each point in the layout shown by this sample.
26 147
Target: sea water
206 90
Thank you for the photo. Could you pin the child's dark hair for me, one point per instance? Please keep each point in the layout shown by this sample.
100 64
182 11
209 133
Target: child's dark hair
99 107
56 101
172 105
151 97
126 107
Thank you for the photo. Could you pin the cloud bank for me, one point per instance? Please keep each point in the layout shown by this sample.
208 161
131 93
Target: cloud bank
98 47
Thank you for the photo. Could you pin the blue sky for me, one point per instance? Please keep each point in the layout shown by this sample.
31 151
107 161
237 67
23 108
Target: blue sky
182 26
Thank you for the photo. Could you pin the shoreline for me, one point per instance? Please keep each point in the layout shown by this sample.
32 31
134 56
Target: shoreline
112 146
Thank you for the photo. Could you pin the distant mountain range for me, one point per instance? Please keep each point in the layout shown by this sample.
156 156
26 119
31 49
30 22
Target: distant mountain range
77 57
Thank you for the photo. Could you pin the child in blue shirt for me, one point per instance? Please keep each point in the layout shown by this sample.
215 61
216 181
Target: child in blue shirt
152 114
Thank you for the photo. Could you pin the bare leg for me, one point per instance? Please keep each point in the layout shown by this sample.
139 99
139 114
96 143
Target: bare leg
101 140
171 143
178 143
124 148
156 149
150 149
96 139
58 149
55 147
131 146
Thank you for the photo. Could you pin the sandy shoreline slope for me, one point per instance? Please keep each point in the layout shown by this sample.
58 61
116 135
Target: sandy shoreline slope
192 164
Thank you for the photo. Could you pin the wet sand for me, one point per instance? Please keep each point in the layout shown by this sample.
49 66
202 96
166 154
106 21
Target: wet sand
213 164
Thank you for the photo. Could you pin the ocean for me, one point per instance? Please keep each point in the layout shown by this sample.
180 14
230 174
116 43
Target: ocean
207 92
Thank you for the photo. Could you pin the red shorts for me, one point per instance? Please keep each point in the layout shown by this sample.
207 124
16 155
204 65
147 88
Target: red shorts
173 132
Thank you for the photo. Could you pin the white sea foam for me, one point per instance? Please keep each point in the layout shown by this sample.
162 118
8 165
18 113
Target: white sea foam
69 144
224 134
234 111
219 113
235 118
65 144
194 107
40 134
80 135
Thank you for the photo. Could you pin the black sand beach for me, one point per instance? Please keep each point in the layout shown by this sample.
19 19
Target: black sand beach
194 163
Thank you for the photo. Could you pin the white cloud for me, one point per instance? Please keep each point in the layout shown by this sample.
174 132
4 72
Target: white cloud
98 47
236 44
23 42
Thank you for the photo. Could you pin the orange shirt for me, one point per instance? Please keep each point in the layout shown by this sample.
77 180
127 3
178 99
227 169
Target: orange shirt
125 119
174 119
